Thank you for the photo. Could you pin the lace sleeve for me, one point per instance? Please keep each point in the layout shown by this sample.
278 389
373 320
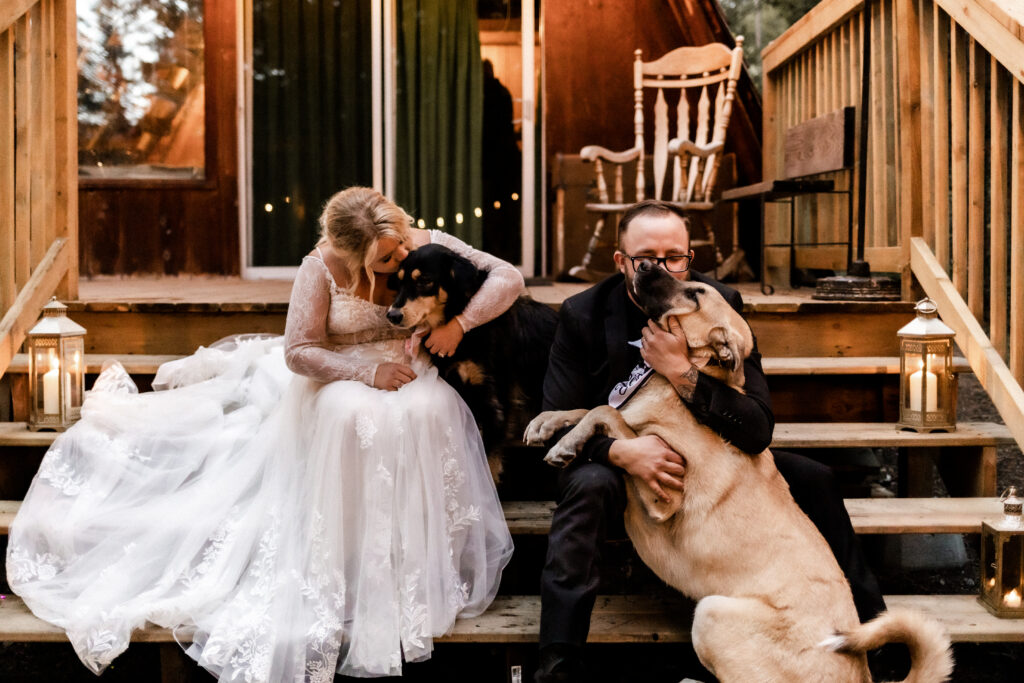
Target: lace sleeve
504 283
306 348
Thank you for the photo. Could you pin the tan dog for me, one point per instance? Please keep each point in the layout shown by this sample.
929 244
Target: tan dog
773 602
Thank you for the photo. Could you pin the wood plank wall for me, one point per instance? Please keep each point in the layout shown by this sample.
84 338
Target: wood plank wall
945 154
588 76
38 169
174 227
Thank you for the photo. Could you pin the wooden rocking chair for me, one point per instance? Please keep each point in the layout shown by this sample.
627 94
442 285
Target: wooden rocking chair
695 150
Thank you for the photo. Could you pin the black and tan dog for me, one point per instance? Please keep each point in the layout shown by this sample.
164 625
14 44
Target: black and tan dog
499 367
773 604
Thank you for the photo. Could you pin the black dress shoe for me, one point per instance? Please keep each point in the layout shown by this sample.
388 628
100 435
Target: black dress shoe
560 663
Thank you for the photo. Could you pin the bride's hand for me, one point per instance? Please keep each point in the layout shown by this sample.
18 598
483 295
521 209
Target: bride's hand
393 376
445 339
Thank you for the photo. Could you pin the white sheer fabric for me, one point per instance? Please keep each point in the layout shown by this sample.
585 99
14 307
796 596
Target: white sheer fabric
297 527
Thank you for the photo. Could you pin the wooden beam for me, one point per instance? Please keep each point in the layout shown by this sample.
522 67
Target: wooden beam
908 41
994 36
23 314
822 19
12 10
958 134
1000 234
940 136
1017 234
22 152
976 185
988 365
8 287
66 137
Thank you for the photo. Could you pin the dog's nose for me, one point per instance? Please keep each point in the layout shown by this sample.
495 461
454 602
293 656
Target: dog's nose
394 316
644 267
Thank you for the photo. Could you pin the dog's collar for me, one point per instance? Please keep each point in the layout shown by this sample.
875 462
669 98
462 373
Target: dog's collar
626 389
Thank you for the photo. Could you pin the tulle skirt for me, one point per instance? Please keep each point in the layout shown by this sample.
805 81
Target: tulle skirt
290 528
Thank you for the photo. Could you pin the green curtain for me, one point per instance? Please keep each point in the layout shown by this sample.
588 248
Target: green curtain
440 104
311 117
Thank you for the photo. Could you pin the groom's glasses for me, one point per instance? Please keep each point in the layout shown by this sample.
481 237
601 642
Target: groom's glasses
675 263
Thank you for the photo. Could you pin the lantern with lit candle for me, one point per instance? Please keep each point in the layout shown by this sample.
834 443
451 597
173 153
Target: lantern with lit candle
1002 560
927 383
56 369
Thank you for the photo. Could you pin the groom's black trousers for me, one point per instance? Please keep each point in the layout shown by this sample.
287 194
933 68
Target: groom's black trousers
592 499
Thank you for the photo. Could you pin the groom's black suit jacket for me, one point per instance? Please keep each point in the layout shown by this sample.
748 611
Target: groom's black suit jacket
590 355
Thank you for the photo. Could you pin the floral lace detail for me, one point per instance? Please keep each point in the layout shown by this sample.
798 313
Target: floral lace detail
249 615
459 518
22 568
324 587
212 551
58 473
415 633
365 429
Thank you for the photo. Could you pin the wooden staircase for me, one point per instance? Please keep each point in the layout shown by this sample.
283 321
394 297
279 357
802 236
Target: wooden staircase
841 354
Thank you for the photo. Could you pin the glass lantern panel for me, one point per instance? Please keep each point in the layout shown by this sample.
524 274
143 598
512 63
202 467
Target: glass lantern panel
47 396
1013 570
937 357
988 563
74 375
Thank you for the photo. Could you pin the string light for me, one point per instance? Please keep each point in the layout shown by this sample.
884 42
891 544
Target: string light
497 204
458 218
440 222
478 212
515 196
421 223
268 207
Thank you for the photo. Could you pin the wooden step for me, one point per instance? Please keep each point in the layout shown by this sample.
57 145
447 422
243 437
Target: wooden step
880 435
134 363
616 619
787 435
842 365
147 364
869 515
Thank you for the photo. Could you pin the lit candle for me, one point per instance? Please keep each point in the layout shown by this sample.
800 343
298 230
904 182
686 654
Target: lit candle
1012 599
992 583
51 384
916 380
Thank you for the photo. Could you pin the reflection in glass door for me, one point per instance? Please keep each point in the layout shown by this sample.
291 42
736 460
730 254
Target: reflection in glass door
310 119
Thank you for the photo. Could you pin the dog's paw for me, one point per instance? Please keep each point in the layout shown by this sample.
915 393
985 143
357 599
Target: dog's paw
560 455
544 426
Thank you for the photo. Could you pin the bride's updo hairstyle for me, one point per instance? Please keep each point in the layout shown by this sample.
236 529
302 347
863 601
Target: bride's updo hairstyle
352 222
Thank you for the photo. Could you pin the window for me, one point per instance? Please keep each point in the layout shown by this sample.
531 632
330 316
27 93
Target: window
141 100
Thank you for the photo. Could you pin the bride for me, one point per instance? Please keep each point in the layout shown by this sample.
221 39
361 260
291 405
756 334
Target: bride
295 506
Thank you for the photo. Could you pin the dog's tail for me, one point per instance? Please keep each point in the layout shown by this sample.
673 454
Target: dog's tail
931 659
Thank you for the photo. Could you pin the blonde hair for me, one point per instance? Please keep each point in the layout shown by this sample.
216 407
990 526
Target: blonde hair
352 223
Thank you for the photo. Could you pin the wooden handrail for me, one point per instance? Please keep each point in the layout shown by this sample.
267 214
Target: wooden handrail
945 158
38 162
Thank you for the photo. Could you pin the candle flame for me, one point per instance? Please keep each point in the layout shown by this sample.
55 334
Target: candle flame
1012 598
992 583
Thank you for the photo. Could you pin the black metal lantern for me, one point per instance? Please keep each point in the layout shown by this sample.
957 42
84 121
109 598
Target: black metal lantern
928 385
1002 560
56 369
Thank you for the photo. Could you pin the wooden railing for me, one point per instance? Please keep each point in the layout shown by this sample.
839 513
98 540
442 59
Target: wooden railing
38 163
945 159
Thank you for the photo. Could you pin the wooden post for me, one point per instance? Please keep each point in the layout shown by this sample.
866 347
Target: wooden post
908 46
940 135
976 183
958 137
1000 146
66 138
1017 234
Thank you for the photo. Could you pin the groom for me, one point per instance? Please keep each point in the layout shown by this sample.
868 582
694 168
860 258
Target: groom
590 355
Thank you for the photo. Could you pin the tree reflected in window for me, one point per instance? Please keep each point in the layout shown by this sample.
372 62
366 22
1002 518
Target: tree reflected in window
141 103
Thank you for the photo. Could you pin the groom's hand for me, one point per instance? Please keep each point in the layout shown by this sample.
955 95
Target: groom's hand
650 459
668 354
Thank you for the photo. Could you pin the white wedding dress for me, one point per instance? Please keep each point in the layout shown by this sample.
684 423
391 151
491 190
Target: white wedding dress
293 525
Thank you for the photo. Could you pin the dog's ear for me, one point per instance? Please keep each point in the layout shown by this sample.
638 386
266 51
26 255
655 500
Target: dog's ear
460 282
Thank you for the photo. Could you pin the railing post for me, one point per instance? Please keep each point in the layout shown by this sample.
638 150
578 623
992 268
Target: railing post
908 43
65 33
